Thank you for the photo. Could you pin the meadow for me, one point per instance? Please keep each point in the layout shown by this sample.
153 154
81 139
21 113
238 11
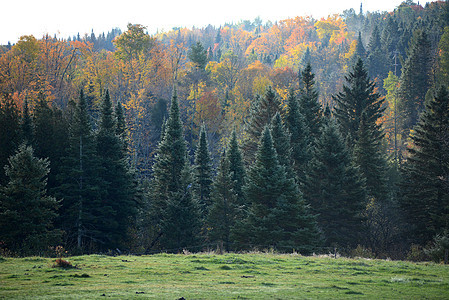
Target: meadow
227 276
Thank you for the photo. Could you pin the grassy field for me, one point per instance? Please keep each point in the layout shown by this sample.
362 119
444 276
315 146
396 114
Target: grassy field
228 276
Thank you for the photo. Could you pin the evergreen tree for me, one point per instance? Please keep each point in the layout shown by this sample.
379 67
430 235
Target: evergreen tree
27 124
120 128
224 208
308 103
171 185
334 189
80 185
281 141
359 53
425 196
376 57
296 125
415 81
203 173
10 134
237 170
26 212
118 199
50 138
260 116
181 219
358 96
368 155
278 216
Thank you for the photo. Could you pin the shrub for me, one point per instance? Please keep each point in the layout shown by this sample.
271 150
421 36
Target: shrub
362 252
437 250
416 253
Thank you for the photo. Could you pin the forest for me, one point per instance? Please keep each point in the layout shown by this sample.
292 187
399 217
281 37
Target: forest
302 135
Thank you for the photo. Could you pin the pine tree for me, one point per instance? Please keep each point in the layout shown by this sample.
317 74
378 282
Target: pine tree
237 170
278 216
115 173
120 128
10 134
224 208
27 124
425 187
368 155
181 220
281 141
171 187
376 57
415 81
360 52
203 173
80 185
358 96
308 103
50 137
260 116
334 189
296 125
26 212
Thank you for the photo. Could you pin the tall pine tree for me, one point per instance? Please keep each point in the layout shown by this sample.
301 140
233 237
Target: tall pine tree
261 115
415 81
334 189
203 173
118 202
224 207
278 216
237 170
80 184
308 103
358 96
171 188
300 136
425 187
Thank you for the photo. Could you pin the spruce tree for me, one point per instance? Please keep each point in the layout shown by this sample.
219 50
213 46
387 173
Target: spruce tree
358 96
278 216
224 208
114 170
260 116
181 219
10 133
308 103
50 137
425 196
81 187
26 212
334 189
27 124
415 81
368 155
203 173
300 136
237 170
171 187
281 141
360 52
376 57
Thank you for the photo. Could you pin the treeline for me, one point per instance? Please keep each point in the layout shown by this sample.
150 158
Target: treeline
301 135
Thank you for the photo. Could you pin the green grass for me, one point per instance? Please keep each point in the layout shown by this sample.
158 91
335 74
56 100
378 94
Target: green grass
229 276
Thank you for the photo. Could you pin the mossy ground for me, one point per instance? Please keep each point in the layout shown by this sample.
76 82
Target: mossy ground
228 276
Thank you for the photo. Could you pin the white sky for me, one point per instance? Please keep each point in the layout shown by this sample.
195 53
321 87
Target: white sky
67 18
